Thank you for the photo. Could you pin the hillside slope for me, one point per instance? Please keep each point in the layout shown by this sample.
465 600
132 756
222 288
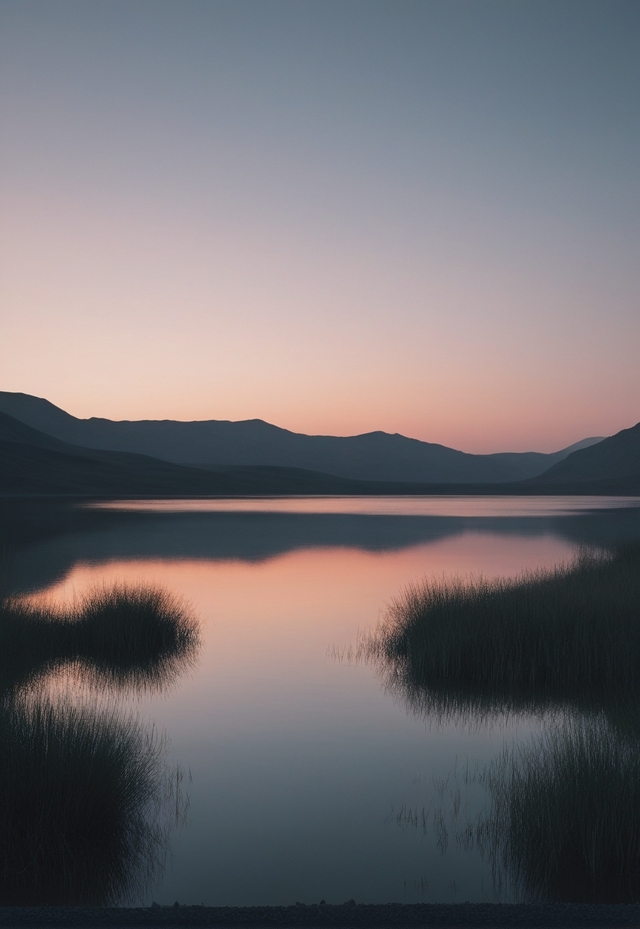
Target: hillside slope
614 459
374 456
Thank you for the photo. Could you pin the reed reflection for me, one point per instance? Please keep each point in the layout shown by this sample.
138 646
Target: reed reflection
138 638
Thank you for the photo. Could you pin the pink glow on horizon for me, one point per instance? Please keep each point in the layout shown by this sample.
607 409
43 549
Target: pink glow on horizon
104 329
338 219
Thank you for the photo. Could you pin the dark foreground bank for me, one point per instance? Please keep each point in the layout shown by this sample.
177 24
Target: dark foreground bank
345 915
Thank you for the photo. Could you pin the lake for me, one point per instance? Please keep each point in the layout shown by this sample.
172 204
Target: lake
307 776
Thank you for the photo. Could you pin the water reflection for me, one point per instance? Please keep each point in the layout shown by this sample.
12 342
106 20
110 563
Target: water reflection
298 760
84 789
52 539
433 505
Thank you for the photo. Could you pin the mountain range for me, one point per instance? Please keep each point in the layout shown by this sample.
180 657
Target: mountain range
43 449
374 456
33 462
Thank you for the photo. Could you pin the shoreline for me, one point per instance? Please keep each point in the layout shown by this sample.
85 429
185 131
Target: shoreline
337 916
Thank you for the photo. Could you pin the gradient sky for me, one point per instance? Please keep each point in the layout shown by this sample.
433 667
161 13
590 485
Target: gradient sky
421 217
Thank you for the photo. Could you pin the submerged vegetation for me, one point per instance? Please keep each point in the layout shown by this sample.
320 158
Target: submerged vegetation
567 635
136 636
81 799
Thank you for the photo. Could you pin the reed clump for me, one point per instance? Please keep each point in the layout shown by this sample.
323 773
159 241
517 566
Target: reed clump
565 818
80 796
140 636
563 634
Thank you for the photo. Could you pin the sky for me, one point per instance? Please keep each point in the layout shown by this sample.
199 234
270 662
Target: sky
420 216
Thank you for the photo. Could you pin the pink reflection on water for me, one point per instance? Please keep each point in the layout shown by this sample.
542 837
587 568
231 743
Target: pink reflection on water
268 611
269 718
444 505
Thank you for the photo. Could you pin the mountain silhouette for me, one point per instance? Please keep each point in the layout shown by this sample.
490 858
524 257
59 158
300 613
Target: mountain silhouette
32 462
374 456
615 460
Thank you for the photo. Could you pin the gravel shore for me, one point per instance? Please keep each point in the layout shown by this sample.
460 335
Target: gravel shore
342 916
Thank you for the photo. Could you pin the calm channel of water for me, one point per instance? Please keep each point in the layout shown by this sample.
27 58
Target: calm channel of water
308 777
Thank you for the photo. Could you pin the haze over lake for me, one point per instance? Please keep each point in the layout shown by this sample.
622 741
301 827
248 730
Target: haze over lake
307 772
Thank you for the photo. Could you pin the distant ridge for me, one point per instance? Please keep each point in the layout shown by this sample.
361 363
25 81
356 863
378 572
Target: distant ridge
374 456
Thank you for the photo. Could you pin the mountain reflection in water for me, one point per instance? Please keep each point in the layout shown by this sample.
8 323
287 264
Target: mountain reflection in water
84 788
53 537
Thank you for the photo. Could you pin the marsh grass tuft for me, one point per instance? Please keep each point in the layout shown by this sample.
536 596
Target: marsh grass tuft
565 816
137 636
570 634
557 816
81 792
85 794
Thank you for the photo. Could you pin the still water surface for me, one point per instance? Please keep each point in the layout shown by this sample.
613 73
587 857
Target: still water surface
305 770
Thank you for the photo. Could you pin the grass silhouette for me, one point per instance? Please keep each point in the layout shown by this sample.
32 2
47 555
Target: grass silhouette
81 792
134 636
567 635
565 816
84 790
